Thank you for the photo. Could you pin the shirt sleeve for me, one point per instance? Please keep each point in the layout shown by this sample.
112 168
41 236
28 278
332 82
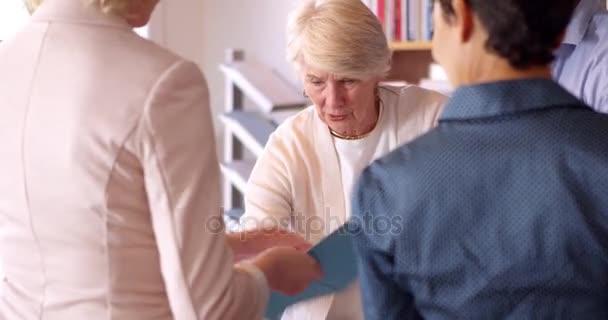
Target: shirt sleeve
182 181
599 96
268 198
382 297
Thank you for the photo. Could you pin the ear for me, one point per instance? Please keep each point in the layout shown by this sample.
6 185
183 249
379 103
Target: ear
463 19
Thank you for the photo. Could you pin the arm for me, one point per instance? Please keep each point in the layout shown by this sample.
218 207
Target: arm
248 243
597 94
268 198
382 296
181 173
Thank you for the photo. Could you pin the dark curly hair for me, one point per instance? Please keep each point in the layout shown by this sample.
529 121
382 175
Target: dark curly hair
525 32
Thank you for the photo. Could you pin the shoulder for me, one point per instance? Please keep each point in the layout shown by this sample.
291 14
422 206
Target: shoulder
296 128
596 38
599 25
404 179
415 110
414 96
156 61
411 99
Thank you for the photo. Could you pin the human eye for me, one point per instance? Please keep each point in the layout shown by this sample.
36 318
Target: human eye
316 82
348 82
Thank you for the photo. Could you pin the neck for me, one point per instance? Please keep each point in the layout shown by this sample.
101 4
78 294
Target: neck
494 69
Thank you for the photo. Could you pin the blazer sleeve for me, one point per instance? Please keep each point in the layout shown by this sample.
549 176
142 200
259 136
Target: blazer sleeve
177 151
268 198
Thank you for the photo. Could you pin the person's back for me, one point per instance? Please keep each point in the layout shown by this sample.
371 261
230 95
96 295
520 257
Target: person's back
72 200
523 224
500 212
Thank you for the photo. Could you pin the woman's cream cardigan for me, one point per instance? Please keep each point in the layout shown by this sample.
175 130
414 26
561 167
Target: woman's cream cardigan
296 181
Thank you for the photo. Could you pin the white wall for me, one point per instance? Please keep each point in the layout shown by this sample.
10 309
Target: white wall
13 15
257 26
201 30
179 25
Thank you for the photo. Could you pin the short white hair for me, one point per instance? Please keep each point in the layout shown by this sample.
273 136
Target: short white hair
118 7
342 37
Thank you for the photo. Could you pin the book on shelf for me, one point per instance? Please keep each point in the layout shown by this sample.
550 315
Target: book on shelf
404 20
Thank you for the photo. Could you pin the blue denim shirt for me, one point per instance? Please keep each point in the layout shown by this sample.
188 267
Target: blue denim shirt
581 63
501 212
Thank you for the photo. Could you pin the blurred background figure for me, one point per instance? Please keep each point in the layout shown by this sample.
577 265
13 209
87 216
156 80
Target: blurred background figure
581 64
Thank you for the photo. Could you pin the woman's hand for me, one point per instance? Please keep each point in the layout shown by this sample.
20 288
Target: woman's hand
288 270
250 243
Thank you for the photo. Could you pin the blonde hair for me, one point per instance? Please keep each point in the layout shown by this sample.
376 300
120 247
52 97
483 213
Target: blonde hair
342 37
117 7
31 5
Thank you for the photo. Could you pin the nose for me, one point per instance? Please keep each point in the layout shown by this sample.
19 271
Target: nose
334 97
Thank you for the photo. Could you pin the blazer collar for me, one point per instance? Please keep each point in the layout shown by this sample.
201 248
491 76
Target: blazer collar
76 11
506 97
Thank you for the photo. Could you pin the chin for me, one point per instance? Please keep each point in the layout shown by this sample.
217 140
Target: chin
339 127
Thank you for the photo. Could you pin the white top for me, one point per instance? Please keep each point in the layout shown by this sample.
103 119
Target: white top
297 180
355 155
109 182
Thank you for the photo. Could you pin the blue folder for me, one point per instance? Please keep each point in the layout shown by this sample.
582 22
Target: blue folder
337 259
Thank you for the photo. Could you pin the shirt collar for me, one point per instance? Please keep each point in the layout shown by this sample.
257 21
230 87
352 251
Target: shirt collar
504 97
583 14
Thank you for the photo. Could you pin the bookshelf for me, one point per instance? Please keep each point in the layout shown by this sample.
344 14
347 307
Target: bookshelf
246 130
408 28
410 45
410 65
411 61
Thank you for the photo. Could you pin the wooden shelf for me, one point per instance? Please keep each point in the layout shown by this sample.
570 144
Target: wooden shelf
411 45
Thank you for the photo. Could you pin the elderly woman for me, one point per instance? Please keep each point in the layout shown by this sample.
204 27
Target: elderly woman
303 179
503 205
109 179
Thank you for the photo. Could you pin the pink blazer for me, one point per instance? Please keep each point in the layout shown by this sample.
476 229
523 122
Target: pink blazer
109 184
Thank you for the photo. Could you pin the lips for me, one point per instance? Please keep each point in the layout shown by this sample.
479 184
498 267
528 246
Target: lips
337 117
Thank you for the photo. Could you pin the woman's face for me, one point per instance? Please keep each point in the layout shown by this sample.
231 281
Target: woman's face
347 106
140 12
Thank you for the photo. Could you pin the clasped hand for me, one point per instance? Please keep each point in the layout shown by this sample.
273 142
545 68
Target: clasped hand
280 255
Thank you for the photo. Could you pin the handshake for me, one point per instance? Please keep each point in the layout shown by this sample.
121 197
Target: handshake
281 255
